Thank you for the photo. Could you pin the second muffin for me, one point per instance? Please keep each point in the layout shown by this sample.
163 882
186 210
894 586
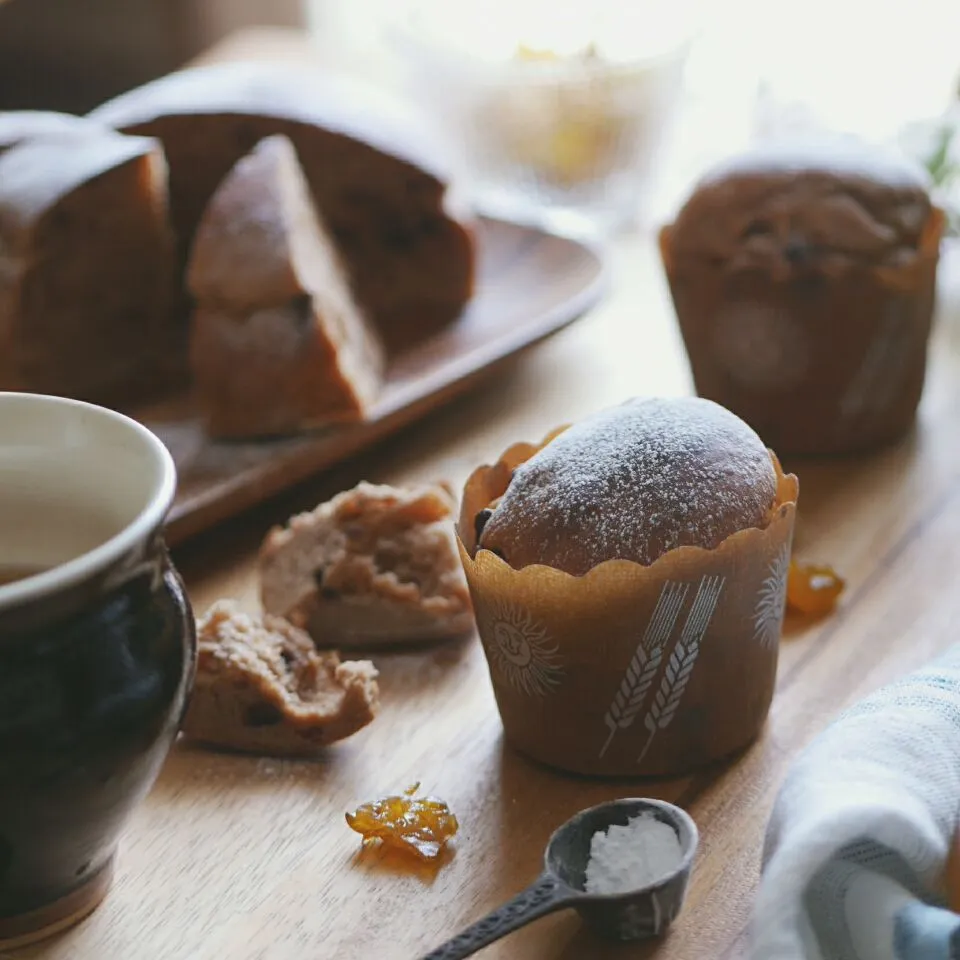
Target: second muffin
803 277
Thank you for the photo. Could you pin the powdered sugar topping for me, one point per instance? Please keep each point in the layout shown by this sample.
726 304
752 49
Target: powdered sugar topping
633 482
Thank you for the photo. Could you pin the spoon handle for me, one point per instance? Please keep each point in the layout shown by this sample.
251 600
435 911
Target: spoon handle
543 896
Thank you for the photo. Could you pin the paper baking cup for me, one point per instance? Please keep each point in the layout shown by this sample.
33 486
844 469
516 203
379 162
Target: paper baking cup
821 363
631 670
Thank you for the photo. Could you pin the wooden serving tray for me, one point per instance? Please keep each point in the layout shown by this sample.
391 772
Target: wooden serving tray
531 284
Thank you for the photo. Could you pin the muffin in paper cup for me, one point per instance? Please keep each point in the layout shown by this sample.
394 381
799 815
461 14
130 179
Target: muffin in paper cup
803 279
631 670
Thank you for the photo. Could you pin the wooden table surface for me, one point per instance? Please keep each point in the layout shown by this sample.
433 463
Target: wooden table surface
250 859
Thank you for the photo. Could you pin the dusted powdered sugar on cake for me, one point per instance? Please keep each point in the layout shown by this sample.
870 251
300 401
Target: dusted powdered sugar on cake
633 482
629 857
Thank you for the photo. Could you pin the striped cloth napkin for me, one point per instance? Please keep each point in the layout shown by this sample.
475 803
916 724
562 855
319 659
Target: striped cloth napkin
856 847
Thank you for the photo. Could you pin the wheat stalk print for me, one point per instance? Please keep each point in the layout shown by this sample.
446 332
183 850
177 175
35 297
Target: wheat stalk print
875 382
630 696
682 660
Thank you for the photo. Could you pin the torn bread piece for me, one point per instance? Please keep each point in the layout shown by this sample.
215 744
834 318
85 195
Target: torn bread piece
262 687
375 565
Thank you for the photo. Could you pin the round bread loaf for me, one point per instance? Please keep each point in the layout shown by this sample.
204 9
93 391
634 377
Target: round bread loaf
632 483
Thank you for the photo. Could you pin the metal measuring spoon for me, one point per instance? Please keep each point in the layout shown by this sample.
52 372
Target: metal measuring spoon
634 915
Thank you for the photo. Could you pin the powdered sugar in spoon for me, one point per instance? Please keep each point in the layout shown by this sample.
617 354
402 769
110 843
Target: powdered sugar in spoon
633 915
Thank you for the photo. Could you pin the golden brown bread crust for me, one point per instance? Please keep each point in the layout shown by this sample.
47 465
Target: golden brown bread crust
632 483
247 250
86 268
803 278
277 343
262 687
374 565
785 206
377 176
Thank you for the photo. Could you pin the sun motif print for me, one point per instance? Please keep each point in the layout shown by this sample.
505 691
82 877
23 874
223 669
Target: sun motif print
521 651
771 600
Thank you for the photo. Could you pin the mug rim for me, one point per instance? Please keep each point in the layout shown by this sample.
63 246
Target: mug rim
151 516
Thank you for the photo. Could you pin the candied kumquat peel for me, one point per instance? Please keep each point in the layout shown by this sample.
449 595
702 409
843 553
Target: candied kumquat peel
813 590
420 825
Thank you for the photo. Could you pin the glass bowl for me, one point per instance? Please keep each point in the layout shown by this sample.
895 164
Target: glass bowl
558 123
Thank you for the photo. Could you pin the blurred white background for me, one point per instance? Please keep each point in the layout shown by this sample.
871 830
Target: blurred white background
862 64
756 66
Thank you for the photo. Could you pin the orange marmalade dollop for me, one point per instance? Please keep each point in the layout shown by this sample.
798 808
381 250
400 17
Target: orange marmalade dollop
417 825
813 590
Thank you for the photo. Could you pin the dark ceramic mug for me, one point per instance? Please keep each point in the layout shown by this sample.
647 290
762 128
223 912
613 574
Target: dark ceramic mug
97 650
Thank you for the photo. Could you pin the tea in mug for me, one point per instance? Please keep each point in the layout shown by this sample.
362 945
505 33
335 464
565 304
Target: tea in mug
12 572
